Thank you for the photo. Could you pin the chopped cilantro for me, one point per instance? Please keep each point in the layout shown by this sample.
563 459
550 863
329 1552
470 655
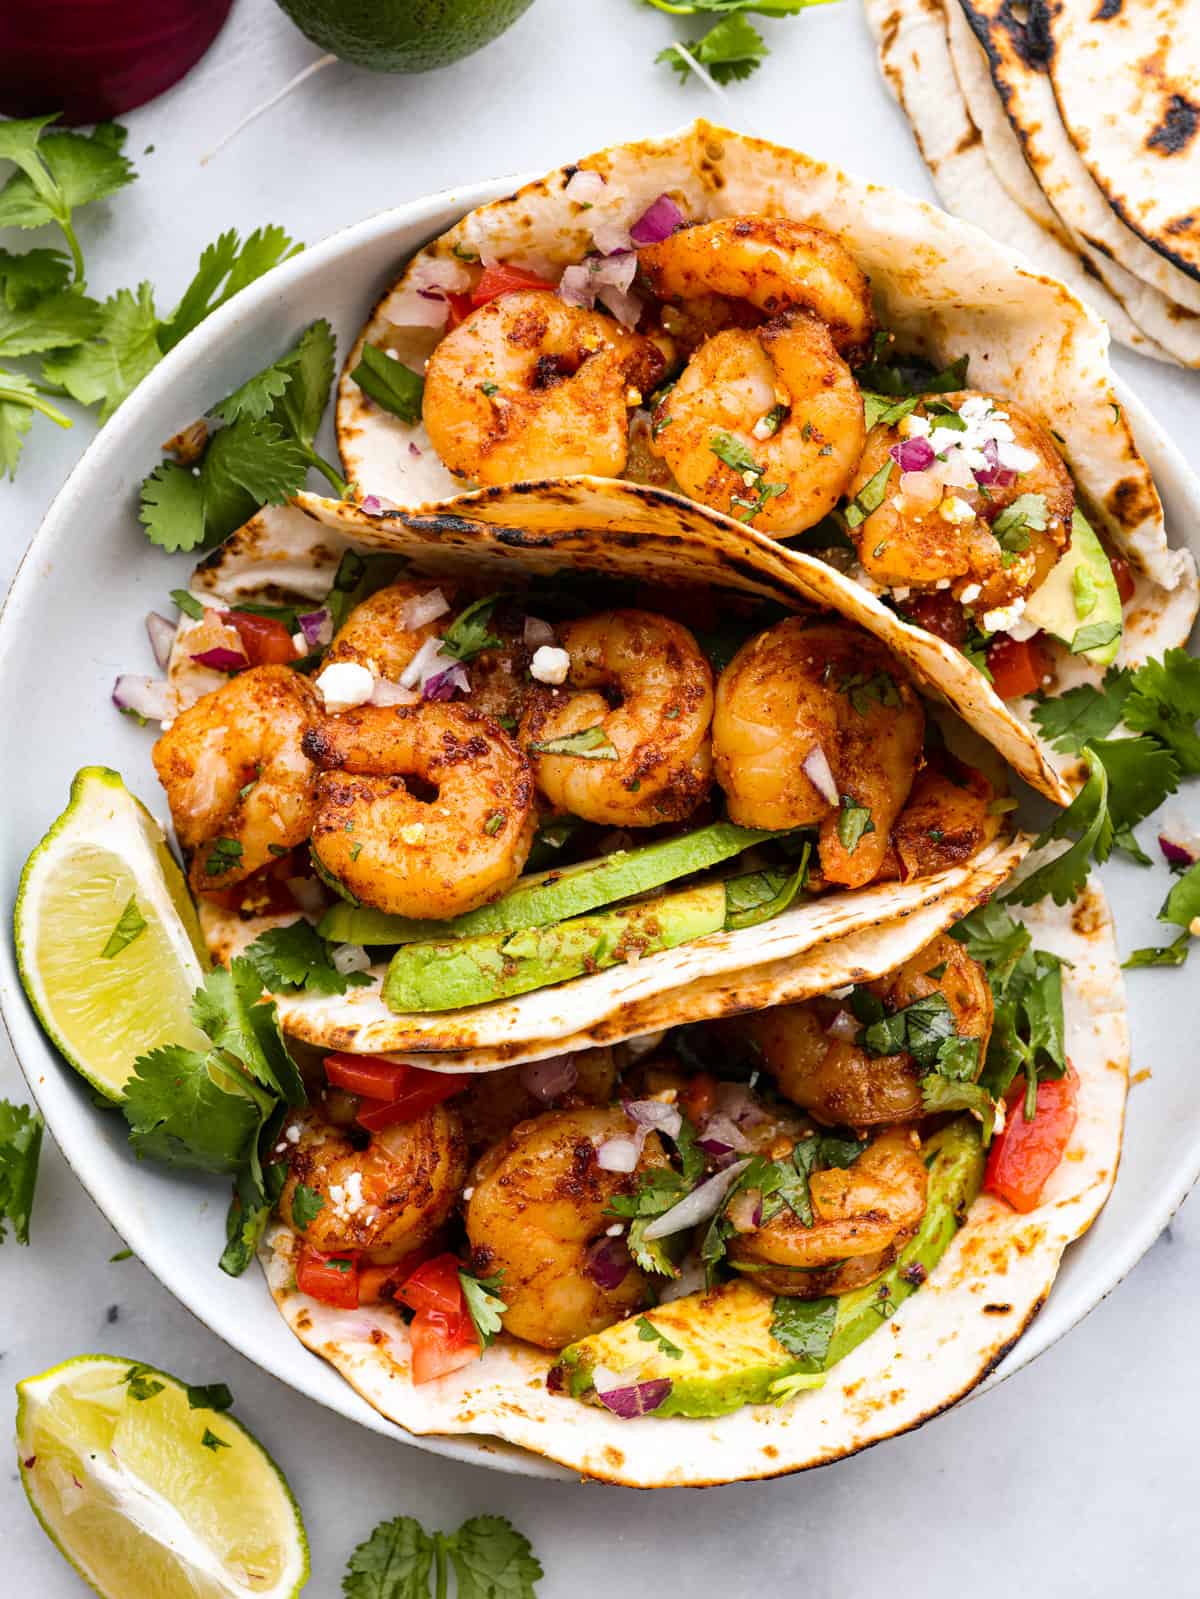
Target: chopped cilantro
862 690
854 821
484 1304
648 1333
188 604
307 1205
905 375
731 50
209 1396
131 924
468 634
211 1441
142 1383
224 856
491 1560
880 410
1164 699
805 1328
590 744
870 497
296 957
734 454
20 1148
1172 954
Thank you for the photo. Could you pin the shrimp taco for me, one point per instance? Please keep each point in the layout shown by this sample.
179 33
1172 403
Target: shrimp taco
725 1251
826 362
524 790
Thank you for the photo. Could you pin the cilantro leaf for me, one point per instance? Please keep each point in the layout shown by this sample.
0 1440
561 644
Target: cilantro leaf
307 1205
756 897
248 465
293 393
142 1383
1172 954
881 410
805 1329
393 386
590 744
853 823
1165 700
1182 904
172 508
919 1029
211 1441
1141 773
905 375
130 925
19 399
297 957
231 1010
25 279
648 1333
1087 816
1084 712
119 352
940 1094
484 1304
58 172
54 323
395 1562
468 634
730 51
20 1148
192 1110
492 1560
870 497
735 455
226 266
209 1396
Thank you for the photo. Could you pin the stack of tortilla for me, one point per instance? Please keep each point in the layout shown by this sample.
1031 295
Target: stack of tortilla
1071 130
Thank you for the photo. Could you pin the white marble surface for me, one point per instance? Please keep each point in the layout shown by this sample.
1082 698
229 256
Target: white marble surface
1077 1477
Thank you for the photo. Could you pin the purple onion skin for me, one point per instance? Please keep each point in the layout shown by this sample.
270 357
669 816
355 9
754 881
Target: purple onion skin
993 474
639 1399
222 659
607 1263
913 455
1175 854
443 685
548 1080
657 222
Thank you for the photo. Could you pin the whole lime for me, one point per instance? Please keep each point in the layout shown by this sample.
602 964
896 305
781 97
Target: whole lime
403 35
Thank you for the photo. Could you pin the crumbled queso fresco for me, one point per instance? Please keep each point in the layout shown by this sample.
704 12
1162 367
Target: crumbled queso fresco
550 664
344 685
984 424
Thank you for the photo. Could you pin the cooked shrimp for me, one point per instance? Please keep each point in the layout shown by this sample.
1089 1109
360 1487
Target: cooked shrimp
236 775
643 683
951 814
934 526
863 1215
765 425
494 1102
530 387
833 1076
386 1199
379 633
831 696
537 1206
772 262
422 810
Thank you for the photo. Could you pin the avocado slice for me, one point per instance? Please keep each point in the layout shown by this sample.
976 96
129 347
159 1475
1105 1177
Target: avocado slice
730 1354
554 896
1079 601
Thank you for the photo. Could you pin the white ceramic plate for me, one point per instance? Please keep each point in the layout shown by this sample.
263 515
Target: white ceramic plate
73 621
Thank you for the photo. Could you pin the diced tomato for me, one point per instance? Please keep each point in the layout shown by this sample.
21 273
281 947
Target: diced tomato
460 308
264 638
699 1098
377 1284
1123 575
422 1092
1017 666
333 1279
501 279
938 612
441 1344
368 1076
1023 1156
263 893
434 1286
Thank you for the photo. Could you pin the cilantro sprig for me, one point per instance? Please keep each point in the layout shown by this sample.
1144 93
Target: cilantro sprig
20 1148
489 1557
732 48
296 957
1182 908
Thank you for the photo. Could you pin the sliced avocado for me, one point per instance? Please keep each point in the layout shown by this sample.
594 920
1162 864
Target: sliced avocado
1079 601
553 896
437 976
731 1354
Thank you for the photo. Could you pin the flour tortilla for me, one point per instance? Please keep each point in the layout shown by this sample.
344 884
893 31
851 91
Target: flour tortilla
943 1341
1126 76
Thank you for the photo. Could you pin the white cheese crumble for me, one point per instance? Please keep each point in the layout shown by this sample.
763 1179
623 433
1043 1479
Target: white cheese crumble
1007 619
344 685
550 664
984 424
971 592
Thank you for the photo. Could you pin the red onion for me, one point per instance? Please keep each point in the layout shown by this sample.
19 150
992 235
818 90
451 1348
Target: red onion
308 893
414 449
913 455
596 276
162 636
817 769
737 1102
376 505
618 1154
637 1399
536 633
843 1027
657 222
445 685
222 659
653 1116
422 608
722 1136
151 697
746 1210
549 1079
609 236
1182 851
702 1203
584 186
627 308
317 627
993 472
607 1262
385 693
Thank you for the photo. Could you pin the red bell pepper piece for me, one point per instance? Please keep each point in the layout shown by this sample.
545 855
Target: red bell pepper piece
1024 1155
421 1092
368 1076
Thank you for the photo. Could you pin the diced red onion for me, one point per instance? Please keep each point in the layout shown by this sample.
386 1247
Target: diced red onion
721 1135
421 301
607 1262
817 769
746 1210
609 236
738 1103
702 1203
376 505
913 455
654 1116
549 1079
635 1399
594 277
422 608
584 186
151 697
426 663
536 633
691 1279
993 473
445 685
162 636
308 893
618 1154
222 659
657 221
843 1027
347 958
385 693
414 449
627 308
1181 846
317 627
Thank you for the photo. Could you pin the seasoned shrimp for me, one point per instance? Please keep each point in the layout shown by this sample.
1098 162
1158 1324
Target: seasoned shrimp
380 632
422 810
236 775
827 695
530 387
934 524
494 1102
812 1049
386 1199
766 425
863 1215
772 262
643 683
537 1206
951 814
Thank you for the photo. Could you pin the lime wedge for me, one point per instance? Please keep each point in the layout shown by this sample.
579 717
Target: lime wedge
103 1010
149 1499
